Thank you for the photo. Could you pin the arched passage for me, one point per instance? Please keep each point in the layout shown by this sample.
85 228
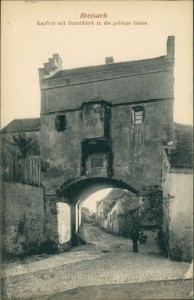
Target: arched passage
73 192
73 187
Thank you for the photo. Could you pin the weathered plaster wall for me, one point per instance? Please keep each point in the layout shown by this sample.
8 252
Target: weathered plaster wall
93 120
181 216
61 151
137 148
23 217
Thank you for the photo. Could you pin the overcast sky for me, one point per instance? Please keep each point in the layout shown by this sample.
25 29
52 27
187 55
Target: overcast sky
26 45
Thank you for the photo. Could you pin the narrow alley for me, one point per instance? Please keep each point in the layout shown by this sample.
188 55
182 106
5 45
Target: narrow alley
105 260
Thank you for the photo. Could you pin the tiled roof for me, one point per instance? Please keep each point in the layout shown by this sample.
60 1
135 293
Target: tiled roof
22 125
182 156
104 68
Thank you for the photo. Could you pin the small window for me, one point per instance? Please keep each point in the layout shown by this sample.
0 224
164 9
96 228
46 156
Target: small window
61 123
137 115
97 162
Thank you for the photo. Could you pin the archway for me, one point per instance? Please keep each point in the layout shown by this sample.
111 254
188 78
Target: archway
75 192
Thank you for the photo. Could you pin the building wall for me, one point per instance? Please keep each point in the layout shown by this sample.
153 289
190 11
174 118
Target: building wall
177 224
99 213
181 216
23 217
61 151
116 85
119 218
137 148
113 218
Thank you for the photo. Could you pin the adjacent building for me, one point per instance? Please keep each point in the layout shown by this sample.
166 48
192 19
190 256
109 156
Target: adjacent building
178 194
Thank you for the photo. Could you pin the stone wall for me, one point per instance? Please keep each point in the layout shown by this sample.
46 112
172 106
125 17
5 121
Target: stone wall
23 218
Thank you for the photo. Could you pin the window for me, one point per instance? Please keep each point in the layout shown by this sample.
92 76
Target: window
137 115
61 123
97 162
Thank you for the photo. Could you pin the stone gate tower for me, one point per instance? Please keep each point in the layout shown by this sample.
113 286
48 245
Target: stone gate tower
109 120
106 124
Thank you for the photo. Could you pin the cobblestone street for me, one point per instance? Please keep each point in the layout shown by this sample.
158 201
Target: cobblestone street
96 264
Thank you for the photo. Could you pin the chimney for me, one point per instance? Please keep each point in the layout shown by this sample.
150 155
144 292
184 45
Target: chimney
170 46
109 60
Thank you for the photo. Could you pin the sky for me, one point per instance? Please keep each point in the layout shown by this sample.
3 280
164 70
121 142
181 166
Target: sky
27 45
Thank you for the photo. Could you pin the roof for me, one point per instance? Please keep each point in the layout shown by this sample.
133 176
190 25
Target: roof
182 156
22 125
103 68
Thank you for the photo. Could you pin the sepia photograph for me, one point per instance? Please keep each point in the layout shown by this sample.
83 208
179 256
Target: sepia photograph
96 152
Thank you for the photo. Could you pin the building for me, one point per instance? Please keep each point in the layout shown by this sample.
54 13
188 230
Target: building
101 208
100 127
117 217
178 195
